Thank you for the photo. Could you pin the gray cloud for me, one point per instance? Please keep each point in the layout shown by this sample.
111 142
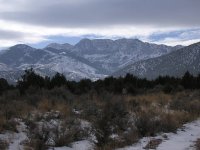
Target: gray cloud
11 35
32 21
97 13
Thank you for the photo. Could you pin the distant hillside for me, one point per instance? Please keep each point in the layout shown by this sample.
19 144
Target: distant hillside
173 64
91 59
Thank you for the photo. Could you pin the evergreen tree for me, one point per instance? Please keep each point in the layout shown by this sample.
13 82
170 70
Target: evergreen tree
3 85
58 80
188 81
30 78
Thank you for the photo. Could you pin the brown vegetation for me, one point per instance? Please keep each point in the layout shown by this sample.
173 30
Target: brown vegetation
128 116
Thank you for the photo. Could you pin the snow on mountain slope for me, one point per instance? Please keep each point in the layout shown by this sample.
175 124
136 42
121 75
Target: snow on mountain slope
46 62
112 55
71 67
4 67
87 59
174 64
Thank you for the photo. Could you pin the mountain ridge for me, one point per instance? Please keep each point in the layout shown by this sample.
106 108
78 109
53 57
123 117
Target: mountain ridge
94 59
175 64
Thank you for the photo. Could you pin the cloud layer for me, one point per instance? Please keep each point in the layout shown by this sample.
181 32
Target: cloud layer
34 21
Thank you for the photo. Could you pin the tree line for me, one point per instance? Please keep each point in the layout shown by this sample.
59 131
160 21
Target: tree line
128 84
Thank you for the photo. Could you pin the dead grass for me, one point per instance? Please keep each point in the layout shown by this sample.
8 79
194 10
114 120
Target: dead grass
150 113
47 105
152 97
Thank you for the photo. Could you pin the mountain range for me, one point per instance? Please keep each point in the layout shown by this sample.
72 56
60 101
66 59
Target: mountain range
174 64
99 58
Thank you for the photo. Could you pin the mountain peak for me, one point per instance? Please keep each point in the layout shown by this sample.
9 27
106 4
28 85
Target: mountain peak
126 40
84 43
59 46
88 58
85 40
21 46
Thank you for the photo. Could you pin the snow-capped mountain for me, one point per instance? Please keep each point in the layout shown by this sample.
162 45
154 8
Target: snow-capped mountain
174 64
87 59
112 55
46 61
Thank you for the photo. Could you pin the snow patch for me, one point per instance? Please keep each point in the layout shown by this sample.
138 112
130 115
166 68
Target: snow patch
182 140
80 145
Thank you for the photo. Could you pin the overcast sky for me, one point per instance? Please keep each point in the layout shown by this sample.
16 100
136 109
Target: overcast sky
38 22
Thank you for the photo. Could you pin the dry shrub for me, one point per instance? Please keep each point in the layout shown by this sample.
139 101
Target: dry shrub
114 119
8 124
134 105
63 108
194 106
153 143
171 121
197 144
11 95
63 140
11 125
90 111
27 148
105 147
146 123
45 105
2 122
183 116
130 137
38 137
123 140
151 121
44 135
14 109
69 131
37 144
21 109
3 145
155 97
188 101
